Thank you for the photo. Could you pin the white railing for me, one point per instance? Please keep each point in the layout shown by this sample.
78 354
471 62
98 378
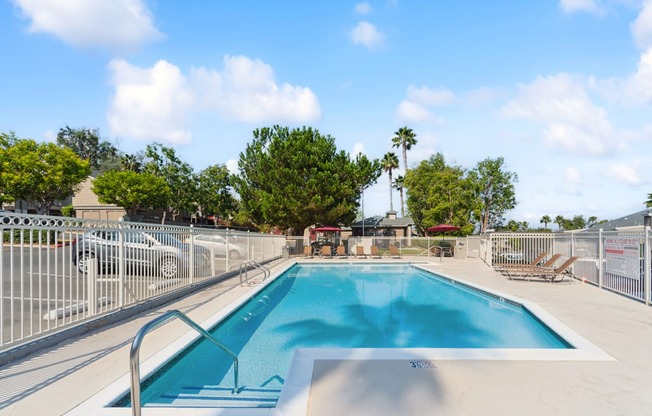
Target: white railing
619 261
57 272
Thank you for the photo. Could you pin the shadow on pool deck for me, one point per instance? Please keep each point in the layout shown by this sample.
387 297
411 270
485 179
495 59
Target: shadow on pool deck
57 380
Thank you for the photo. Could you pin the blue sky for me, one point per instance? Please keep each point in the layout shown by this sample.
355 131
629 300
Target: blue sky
561 89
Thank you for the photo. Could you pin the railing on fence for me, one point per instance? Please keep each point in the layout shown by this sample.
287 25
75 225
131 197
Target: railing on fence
619 261
57 272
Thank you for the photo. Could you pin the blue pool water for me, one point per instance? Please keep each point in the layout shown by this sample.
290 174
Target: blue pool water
345 306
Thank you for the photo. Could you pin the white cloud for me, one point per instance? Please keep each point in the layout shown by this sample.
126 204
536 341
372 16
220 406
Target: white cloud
114 24
232 166
427 96
150 103
358 148
633 90
362 8
572 6
367 35
157 103
416 106
642 26
573 180
629 174
245 90
572 122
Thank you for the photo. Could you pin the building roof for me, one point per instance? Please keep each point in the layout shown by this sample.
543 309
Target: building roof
383 222
634 220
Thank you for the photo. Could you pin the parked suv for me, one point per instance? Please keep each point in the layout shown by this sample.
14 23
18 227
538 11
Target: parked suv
158 252
218 245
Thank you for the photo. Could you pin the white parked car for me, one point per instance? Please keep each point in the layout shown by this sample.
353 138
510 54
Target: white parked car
218 245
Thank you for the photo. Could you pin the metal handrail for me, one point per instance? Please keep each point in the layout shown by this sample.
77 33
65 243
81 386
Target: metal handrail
135 352
244 268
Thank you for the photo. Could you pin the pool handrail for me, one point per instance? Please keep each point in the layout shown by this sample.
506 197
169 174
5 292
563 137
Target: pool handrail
138 340
244 269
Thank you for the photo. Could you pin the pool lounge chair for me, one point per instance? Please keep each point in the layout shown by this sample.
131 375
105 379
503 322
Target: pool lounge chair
548 265
341 252
551 275
307 252
326 251
359 252
375 254
533 263
393 252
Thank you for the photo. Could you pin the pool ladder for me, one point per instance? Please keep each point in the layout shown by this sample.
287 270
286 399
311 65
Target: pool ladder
136 404
244 271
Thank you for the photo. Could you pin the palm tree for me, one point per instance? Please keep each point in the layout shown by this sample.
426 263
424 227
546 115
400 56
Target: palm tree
546 220
130 163
404 138
648 203
389 163
559 220
398 184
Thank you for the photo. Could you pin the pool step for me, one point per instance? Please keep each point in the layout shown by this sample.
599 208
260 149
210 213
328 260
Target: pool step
218 396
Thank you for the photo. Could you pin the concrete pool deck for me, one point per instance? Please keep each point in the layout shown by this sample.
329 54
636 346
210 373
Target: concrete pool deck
59 379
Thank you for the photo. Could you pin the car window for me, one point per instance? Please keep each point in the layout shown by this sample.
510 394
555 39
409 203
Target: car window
136 238
166 239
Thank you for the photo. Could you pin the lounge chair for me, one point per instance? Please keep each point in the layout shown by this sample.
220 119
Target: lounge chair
375 254
548 265
533 263
326 251
393 252
359 252
551 275
341 252
307 252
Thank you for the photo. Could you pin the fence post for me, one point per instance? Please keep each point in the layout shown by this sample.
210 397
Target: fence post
600 259
91 289
122 272
191 274
647 265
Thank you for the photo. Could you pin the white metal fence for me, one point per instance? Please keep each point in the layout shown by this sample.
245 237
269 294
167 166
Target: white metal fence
459 247
57 272
619 261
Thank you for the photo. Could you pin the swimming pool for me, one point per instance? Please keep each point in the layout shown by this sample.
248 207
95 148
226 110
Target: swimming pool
377 306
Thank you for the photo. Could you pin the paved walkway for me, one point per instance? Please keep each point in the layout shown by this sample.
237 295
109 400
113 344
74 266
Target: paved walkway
57 380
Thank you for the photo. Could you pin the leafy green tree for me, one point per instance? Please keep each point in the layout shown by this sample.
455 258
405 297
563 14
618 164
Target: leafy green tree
40 173
399 183
496 190
131 190
438 193
6 141
214 192
593 220
389 163
545 220
86 144
163 162
648 203
296 178
404 138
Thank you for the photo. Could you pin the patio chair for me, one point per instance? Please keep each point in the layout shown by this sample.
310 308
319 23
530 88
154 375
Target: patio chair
307 252
393 252
326 251
359 252
551 275
341 252
533 263
375 254
548 265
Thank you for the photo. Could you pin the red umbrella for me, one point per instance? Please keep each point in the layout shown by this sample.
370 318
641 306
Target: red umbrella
443 228
327 228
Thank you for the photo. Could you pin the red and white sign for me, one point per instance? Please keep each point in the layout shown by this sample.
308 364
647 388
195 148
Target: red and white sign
623 256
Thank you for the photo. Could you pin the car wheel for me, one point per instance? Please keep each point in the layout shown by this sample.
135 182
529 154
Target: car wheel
84 261
169 267
234 255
